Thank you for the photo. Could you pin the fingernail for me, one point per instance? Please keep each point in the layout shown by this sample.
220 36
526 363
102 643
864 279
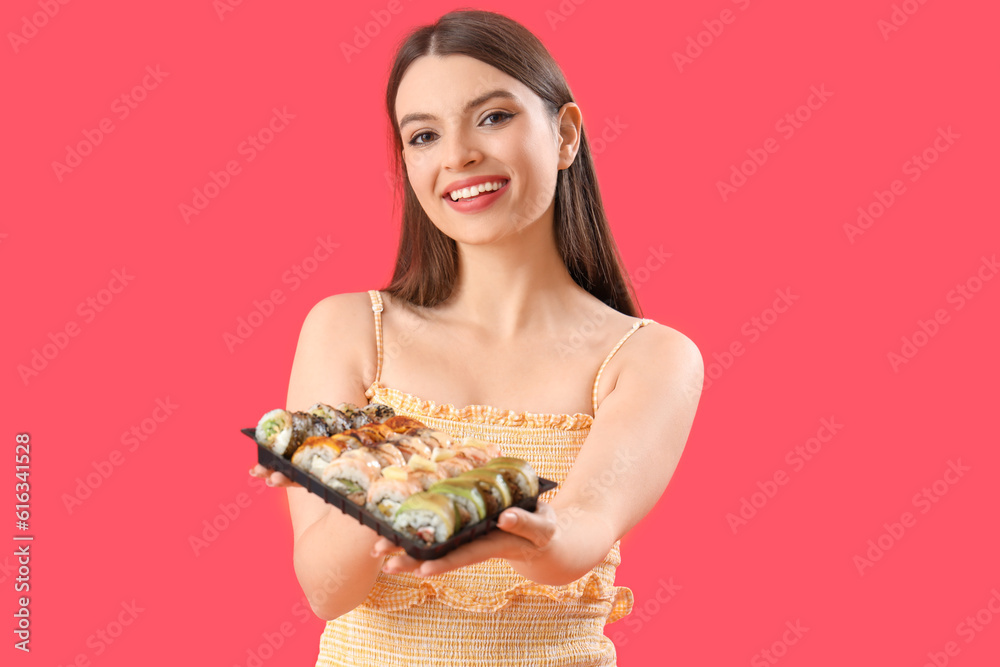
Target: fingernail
509 519
269 482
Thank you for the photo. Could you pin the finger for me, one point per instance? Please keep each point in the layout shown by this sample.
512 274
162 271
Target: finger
277 479
537 527
401 563
383 547
272 478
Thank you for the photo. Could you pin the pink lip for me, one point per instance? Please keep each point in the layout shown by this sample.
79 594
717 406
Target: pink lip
483 201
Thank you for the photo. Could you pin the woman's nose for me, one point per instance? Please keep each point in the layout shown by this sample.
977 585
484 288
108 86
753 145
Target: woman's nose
460 149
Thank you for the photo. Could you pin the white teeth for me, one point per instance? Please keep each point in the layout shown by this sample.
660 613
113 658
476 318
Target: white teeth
467 193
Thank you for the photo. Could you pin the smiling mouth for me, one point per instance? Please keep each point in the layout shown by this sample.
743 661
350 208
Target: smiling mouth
472 192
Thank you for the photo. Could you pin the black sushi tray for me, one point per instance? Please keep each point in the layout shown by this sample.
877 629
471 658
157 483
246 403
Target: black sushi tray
416 549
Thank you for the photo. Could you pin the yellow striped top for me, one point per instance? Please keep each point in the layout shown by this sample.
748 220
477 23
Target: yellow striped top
486 613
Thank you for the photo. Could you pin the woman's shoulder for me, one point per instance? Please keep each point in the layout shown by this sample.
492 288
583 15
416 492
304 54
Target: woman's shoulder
346 308
665 340
657 354
341 328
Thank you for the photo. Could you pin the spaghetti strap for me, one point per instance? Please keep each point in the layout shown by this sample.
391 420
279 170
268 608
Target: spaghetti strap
377 309
635 327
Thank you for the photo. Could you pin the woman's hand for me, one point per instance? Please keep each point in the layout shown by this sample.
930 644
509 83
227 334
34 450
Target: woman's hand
523 536
271 477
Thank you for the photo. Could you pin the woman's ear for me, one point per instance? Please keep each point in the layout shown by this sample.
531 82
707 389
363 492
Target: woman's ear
569 124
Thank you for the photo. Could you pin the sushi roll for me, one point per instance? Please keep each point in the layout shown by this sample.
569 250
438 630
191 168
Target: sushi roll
336 421
495 491
425 471
411 445
351 477
478 456
467 496
377 412
425 516
518 474
354 414
365 437
316 453
347 441
387 493
432 437
274 431
401 423
388 455
379 432
367 456
456 466
491 449
306 425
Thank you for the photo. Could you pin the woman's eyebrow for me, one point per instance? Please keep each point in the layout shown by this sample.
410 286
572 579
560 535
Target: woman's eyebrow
472 104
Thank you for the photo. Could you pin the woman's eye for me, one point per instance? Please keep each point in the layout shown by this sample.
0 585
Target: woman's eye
414 142
503 116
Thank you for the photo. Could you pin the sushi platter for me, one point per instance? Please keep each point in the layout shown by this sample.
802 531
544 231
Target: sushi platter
426 491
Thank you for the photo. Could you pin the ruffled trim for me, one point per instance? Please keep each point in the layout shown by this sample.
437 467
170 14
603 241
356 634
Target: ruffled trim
480 414
386 596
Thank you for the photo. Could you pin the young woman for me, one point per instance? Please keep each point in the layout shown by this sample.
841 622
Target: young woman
510 309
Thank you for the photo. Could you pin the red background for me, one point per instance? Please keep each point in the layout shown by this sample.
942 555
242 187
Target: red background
679 131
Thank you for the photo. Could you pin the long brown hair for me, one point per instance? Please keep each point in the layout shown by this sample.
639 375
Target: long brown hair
427 260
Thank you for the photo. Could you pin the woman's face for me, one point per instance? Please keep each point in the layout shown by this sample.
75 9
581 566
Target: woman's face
462 119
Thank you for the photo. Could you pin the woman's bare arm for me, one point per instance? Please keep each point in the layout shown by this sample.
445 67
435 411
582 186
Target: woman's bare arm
332 551
629 457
